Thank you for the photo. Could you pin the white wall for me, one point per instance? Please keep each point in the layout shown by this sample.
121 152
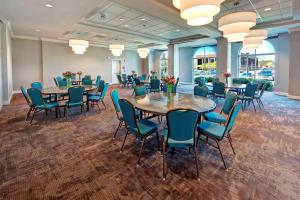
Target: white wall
45 60
294 69
1 79
27 62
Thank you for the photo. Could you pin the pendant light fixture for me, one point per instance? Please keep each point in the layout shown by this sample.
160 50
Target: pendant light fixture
255 39
143 52
79 46
198 12
236 26
116 49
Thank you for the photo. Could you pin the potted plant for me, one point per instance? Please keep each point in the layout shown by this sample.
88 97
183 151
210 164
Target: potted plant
68 76
226 76
170 82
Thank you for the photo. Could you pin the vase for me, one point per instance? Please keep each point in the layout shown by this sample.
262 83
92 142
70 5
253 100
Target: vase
69 84
169 92
226 80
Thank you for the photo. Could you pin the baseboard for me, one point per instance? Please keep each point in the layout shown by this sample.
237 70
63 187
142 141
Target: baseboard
11 96
294 97
281 93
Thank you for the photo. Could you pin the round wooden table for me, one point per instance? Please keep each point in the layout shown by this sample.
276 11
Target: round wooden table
230 85
157 103
64 90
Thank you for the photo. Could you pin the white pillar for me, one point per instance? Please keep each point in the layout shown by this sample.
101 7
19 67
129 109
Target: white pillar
223 57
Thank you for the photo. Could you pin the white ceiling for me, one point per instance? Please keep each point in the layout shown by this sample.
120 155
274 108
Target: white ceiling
131 22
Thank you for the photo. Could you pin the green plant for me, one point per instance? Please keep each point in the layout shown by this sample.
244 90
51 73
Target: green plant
249 80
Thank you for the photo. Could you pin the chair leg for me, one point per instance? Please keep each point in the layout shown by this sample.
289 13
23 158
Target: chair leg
81 109
221 154
230 141
119 126
28 114
261 103
103 104
98 107
257 101
164 162
124 142
141 151
196 159
253 105
157 139
34 111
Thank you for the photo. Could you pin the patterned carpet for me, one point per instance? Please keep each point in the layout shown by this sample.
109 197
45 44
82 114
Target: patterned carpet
76 158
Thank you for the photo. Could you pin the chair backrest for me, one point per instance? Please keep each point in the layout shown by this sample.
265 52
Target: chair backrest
250 90
229 102
98 79
128 113
143 77
124 78
182 124
24 92
36 96
101 86
130 78
75 94
201 81
62 83
201 91
263 89
115 99
140 90
177 81
55 81
218 88
37 85
137 81
232 117
105 88
87 82
155 84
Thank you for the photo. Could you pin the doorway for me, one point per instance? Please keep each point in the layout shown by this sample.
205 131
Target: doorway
116 70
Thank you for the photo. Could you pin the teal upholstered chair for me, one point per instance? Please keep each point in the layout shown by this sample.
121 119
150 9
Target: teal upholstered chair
217 132
75 99
124 79
140 90
98 79
227 107
55 81
258 96
25 95
201 91
180 133
95 99
115 99
155 85
121 80
37 85
99 89
219 90
38 103
143 77
248 96
87 80
141 128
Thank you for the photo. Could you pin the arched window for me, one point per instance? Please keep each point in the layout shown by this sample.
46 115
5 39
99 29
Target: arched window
258 63
205 62
164 64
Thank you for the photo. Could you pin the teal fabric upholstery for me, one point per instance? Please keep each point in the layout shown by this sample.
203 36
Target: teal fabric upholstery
115 99
87 82
140 90
25 95
37 85
98 79
155 85
181 127
38 101
248 95
145 127
212 129
48 105
75 96
97 98
219 89
201 91
215 117
99 90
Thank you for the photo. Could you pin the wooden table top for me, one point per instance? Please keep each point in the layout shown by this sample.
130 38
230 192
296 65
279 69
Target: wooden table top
158 102
64 90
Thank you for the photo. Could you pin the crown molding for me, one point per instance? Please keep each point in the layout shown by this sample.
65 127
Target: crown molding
296 29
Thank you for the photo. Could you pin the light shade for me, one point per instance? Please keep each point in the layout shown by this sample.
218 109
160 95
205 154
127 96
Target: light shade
143 52
79 46
198 12
116 49
255 38
236 26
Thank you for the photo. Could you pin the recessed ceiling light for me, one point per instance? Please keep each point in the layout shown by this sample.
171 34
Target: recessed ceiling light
143 19
126 25
177 30
121 19
160 34
49 5
267 9
38 30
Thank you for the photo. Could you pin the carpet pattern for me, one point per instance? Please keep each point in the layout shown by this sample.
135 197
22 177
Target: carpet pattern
76 158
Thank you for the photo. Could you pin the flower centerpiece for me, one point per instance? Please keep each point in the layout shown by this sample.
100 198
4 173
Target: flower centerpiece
79 73
134 74
226 76
153 74
169 82
68 76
